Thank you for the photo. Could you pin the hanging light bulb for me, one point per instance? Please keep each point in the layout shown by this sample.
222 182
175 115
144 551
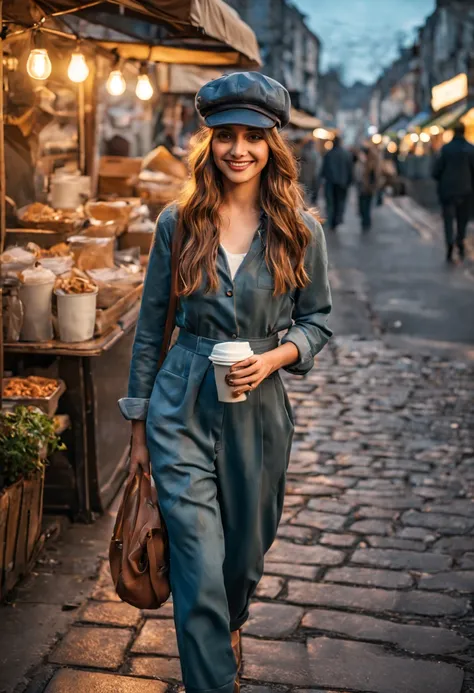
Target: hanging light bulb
116 84
144 89
78 70
38 65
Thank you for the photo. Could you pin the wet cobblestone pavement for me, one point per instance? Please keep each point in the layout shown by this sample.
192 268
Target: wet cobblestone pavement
368 586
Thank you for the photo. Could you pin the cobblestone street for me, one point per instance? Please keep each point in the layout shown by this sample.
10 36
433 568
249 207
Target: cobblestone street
368 585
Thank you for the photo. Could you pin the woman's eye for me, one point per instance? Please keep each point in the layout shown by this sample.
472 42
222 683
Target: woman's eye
224 136
255 138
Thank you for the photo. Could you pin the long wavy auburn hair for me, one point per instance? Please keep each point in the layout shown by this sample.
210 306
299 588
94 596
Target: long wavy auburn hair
281 198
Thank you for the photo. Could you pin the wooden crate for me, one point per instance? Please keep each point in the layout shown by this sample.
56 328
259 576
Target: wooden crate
105 318
21 512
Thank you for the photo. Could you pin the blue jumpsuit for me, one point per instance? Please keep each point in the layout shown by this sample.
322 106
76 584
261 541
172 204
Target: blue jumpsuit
220 468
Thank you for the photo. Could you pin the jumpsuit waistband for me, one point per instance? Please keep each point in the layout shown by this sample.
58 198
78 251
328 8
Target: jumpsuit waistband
204 346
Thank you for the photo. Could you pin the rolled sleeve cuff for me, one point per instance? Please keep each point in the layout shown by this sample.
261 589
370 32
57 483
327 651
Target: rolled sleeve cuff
306 360
134 408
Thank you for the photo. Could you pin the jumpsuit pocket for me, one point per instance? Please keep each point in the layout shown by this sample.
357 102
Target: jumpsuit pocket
287 405
277 429
178 362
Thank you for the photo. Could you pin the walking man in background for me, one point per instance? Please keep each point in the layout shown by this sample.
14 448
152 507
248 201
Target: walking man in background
454 171
337 173
367 174
310 169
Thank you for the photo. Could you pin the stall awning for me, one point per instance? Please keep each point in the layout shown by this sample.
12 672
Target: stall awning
399 123
303 120
184 79
450 117
201 24
419 121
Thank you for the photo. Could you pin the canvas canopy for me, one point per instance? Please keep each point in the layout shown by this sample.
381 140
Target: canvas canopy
184 79
207 32
303 120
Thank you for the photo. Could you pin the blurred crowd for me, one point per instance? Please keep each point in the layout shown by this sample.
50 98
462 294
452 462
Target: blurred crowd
374 171
333 173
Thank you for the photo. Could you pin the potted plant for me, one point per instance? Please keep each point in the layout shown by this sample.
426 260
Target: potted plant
27 437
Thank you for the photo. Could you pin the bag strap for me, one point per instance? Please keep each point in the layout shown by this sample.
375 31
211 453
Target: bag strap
173 301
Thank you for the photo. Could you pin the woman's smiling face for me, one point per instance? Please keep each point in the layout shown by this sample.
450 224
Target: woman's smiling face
239 152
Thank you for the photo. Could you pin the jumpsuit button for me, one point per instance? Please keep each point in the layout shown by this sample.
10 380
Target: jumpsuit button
229 293
234 336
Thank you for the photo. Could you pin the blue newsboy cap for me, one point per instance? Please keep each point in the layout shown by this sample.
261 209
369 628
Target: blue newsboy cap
244 98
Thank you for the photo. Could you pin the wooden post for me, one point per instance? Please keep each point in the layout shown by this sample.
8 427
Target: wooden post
81 127
3 231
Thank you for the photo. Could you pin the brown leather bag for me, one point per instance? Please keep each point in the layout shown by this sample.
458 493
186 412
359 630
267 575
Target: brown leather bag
138 551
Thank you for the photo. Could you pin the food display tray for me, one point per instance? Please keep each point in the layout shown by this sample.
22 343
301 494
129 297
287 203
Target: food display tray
48 405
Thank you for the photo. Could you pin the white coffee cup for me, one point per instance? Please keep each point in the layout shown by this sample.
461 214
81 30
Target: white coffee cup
223 356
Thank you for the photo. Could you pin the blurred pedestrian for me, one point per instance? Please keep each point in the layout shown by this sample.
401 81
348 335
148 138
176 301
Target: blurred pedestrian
367 174
311 163
337 174
454 171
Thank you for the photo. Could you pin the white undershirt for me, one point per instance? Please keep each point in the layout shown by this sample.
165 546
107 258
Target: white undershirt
234 261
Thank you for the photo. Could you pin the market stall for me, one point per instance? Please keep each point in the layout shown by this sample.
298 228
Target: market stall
74 253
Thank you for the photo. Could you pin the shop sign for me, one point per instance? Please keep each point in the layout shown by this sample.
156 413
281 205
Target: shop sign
449 92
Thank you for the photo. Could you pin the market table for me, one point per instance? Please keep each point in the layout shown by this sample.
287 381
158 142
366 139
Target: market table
84 479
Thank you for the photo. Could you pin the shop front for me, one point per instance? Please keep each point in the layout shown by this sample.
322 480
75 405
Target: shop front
81 201
452 102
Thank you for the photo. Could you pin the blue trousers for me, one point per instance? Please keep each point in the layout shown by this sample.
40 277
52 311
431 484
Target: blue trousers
220 473
335 203
365 210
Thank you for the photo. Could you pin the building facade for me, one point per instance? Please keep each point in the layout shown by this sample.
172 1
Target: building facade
290 50
446 44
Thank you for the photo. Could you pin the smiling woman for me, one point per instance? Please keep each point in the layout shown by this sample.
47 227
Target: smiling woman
219 465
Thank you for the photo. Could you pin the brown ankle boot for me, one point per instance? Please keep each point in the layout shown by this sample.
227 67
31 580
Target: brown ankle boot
237 647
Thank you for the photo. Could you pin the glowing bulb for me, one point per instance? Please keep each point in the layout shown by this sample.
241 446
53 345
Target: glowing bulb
392 147
78 70
144 89
328 145
376 139
321 133
424 137
39 64
116 84
372 129
414 137
434 130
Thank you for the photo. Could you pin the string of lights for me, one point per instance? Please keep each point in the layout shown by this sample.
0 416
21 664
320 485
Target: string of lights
39 66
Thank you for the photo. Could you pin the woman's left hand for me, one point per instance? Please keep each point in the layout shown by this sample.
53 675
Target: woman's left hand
247 375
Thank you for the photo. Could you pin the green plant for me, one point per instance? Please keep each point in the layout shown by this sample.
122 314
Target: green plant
24 434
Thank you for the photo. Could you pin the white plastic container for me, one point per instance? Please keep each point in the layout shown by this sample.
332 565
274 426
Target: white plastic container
36 291
67 190
223 356
76 316
37 321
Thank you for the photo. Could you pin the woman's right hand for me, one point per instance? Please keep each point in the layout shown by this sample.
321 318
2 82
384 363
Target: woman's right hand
139 455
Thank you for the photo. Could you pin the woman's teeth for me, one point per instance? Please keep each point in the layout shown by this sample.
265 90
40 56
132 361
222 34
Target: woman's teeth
240 166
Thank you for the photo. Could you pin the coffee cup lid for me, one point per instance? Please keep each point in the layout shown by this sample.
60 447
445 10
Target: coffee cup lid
227 353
